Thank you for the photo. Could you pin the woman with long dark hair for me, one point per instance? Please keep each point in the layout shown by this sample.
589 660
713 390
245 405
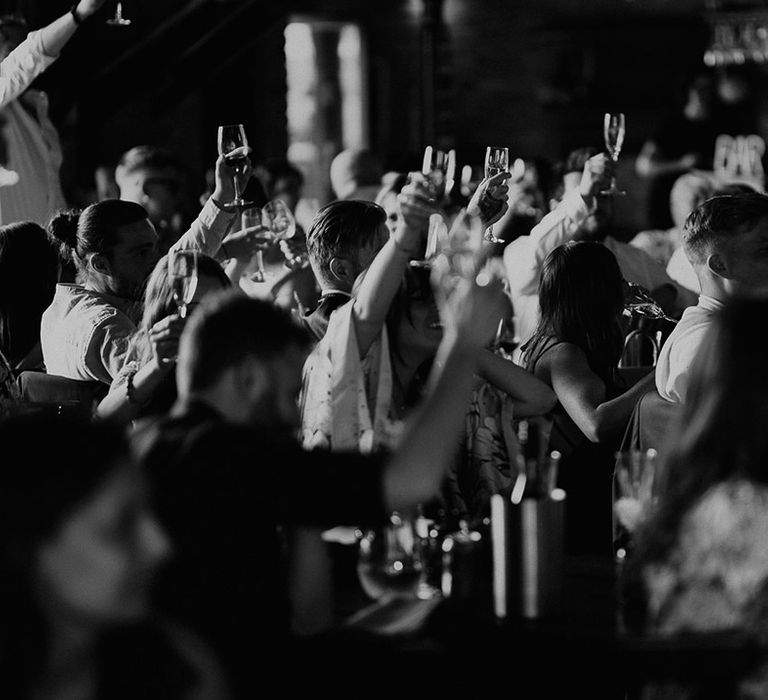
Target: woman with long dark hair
576 349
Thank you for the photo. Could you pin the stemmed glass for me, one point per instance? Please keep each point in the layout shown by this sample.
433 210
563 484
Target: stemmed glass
439 171
182 276
118 19
231 137
277 218
496 161
250 217
614 128
389 563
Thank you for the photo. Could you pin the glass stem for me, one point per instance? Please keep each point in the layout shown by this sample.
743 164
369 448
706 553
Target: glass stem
236 183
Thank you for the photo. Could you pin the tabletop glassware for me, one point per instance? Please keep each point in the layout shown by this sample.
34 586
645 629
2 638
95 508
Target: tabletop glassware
389 563
496 161
182 277
118 20
230 138
633 495
614 130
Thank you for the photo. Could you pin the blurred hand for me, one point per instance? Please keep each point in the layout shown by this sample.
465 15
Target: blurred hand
597 174
294 251
489 201
164 338
86 8
242 244
415 209
224 190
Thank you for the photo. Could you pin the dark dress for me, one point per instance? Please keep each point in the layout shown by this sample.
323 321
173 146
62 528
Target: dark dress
586 473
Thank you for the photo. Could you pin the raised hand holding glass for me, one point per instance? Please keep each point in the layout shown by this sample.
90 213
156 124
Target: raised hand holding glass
614 130
182 277
496 161
230 138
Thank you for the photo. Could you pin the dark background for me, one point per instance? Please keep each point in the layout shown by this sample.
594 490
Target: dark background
535 75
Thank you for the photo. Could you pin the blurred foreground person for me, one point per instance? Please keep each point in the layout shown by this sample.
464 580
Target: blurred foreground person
700 562
231 481
79 548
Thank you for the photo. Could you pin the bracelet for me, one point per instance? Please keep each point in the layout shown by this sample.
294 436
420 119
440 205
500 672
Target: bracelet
130 392
73 12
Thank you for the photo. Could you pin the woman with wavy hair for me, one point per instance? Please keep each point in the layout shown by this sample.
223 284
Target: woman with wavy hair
576 349
146 384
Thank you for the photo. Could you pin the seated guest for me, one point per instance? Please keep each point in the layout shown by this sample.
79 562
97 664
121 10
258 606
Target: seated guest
723 239
86 329
146 384
582 214
78 551
29 270
576 349
699 562
228 476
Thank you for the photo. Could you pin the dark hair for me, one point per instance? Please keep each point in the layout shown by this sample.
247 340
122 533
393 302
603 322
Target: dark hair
720 431
572 163
29 269
341 229
229 327
51 465
94 229
716 222
145 157
581 296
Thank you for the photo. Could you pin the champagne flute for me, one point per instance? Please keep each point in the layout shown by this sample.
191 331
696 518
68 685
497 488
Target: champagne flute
439 171
496 161
118 20
182 276
231 137
614 129
277 218
250 217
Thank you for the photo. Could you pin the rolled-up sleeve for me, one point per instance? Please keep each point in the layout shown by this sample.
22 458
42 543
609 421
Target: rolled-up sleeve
207 230
22 66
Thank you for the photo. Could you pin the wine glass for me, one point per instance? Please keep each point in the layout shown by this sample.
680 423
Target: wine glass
439 171
614 128
389 563
250 217
496 161
118 19
231 137
182 276
277 218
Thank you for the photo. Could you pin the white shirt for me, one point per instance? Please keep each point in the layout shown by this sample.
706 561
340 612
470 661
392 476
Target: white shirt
34 149
679 351
524 257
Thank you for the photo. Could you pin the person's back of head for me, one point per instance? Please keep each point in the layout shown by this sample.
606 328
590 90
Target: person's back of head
581 296
29 270
229 331
343 239
355 168
724 236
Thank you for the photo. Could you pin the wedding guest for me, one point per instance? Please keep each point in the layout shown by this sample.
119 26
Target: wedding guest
575 349
29 270
86 329
584 213
723 239
79 549
146 384
699 561
33 145
356 174
238 388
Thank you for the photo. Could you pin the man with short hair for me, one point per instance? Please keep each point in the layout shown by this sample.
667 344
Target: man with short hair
583 213
230 480
726 241
151 176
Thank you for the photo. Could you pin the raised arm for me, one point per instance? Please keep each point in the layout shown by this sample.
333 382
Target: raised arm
417 468
583 394
384 275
